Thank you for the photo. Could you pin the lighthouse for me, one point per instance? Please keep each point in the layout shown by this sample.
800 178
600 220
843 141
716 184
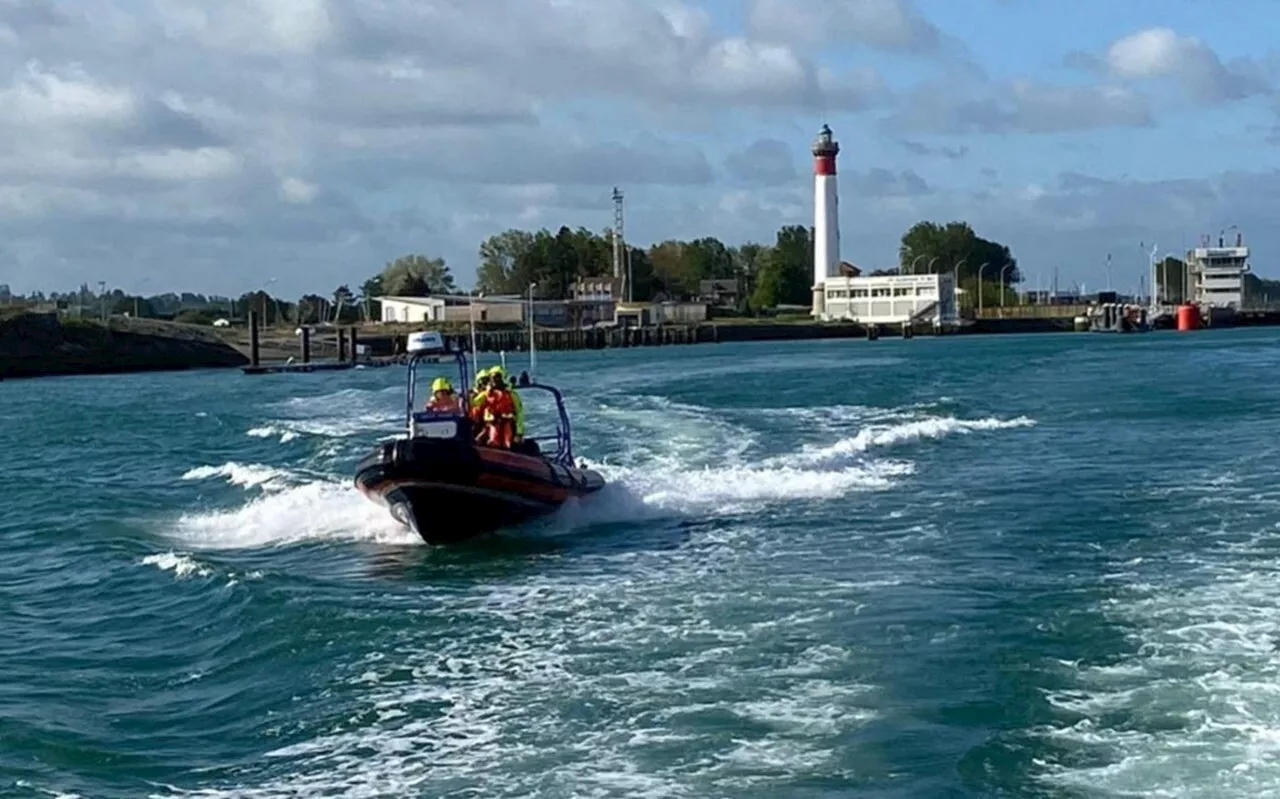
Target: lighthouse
826 217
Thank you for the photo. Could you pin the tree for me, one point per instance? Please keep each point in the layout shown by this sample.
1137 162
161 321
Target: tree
931 247
503 256
785 276
510 261
417 276
312 309
139 307
369 290
342 299
642 280
747 260
706 259
268 307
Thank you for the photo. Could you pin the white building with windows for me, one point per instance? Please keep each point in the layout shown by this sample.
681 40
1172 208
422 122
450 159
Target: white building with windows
1215 275
891 299
457 309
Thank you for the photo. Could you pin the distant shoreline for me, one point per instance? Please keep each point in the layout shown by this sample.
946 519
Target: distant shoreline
41 345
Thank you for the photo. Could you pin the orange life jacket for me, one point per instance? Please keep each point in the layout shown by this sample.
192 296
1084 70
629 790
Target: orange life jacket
499 405
449 404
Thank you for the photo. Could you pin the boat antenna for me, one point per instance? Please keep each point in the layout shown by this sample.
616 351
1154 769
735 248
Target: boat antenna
533 358
471 312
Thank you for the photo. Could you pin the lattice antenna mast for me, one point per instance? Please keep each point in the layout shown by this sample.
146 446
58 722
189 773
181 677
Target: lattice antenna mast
618 239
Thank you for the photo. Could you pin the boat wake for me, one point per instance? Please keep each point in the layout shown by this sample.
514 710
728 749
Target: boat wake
1192 708
669 461
628 662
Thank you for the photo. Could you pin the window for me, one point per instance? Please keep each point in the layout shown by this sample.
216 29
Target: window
860 293
901 292
880 292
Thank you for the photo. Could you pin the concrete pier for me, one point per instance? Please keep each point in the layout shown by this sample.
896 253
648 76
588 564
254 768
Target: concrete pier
347 355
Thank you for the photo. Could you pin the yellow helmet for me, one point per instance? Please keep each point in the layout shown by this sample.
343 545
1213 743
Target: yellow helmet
441 384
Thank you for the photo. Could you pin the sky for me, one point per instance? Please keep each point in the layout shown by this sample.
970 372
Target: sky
169 145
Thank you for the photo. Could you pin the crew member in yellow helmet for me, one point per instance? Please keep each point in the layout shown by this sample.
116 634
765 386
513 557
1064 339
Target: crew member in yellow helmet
443 397
515 398
475 404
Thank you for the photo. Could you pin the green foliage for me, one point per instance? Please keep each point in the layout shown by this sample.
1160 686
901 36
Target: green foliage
988 295
417 276
137 307
513 259
1260 292
785 271
510 261
931 247
270 309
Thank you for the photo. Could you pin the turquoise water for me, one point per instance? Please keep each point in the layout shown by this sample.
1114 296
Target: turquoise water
1040 566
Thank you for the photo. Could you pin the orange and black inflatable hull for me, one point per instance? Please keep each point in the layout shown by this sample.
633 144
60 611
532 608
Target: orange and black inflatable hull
450 490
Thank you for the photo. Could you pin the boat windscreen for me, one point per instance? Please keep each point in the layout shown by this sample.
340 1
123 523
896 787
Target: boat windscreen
541 416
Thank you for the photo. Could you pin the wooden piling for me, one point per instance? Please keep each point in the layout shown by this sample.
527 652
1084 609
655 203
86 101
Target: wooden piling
353 345
342 344
255 358
306 344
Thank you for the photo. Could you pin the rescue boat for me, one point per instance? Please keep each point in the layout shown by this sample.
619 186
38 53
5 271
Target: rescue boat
440 483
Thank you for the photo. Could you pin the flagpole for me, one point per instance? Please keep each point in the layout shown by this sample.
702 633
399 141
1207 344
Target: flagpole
471 312
533 359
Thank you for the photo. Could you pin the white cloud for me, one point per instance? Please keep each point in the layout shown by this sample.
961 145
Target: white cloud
1162 53
296 190
883 24
318 136
41 98
209 128
1019 106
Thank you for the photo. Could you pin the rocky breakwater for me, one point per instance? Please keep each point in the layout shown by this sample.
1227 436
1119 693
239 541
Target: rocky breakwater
41 344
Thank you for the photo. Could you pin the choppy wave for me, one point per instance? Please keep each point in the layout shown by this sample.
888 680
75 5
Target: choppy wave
531 708
1193 708
291 508
689 462
889 435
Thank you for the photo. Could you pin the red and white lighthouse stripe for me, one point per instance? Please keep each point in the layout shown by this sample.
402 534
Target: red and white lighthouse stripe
826 217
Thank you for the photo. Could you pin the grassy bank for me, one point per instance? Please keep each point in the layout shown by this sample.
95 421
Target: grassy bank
36 345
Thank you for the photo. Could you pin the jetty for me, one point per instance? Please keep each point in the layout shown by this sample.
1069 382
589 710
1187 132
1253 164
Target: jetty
348 353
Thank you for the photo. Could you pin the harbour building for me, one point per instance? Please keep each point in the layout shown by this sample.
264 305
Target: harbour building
1216 275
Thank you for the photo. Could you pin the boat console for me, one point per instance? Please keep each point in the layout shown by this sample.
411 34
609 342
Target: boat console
430 347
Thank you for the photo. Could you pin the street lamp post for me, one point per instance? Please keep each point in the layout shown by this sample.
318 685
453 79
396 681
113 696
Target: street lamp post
955 285
531 343
980 292
265 295
1006 266
137 294
915 261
